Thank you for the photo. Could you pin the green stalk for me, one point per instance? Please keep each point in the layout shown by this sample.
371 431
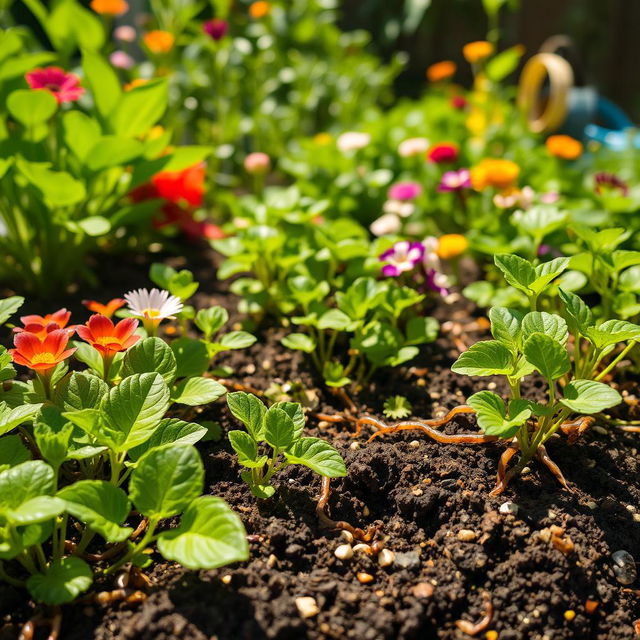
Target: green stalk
614 362
135 549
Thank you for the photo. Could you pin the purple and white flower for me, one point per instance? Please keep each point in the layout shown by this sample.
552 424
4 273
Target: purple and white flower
455 180
402 257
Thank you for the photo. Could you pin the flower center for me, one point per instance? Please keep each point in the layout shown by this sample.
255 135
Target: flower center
43 358
151 313
107 340
52 86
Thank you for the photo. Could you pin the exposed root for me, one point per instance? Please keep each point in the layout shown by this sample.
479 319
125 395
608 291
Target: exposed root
348 402
543 456
326 521
129 596
502 479
629 429
236 386
54 621
573 430
474 629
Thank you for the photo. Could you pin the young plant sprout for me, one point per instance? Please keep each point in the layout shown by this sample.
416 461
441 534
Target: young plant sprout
274 440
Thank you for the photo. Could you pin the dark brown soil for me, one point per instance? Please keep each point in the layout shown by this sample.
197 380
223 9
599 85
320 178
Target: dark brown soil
424 494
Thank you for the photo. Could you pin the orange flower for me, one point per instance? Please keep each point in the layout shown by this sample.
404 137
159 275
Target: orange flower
158 41
40 326
441 71
109 7
564 147
475 51
494 172
106 310
451 245
108 338
40 355
136 82
259 9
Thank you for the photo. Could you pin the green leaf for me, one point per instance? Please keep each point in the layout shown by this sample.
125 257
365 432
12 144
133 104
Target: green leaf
99 505
505 326
503 64
548 271
492 417
421 330
192 357
611 332
57 188
211 320
550 324
589 396
295 412
237 340
133 409
150 355
81 391
12 451
333 374
95 226
62 582
318 455
197 391
166 480
209 535
103 81
80 132
170 431
8 306
88 355
486 358
547 355
139 109
113 151
250 411
333 319
397 407
580 316
299 342
247 449
12 418
52 434
521 274
31 108
279 428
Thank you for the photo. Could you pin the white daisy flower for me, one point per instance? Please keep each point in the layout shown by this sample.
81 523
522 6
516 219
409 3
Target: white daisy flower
153 305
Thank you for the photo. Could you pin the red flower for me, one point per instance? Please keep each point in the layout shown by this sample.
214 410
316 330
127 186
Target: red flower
43 325
108 338
41 355
64 86
458 102
443 152
105 309
181 187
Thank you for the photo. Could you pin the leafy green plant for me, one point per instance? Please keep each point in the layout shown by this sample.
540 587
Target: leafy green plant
397 407
274 440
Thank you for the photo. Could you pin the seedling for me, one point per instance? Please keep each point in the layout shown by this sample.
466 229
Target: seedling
274 440
397 407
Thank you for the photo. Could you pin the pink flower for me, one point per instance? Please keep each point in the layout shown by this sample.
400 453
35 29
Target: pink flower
413 147
404 191
437 282
124 33
216 29
403 256
257 162
64 86
443 152
551 197
121 60
455 180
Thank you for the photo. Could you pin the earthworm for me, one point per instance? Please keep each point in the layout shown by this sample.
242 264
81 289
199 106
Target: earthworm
574 429
501 479
474 629
543 456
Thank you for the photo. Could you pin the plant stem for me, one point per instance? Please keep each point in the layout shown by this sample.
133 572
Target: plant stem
135 549
614 362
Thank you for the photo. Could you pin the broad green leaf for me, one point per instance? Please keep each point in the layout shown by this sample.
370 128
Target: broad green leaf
31 108
211 320
547 355
250 411
299 342
192 357
52 434
148 356
197 391
62 582
505 326
295 412
539 221
95 226
611 332
133 409
333 374
12 418
334 319
81 391
12 451
166 480
589 396
580 316
279 428
246 449
80 133
103 81
318 455
99 505
113 151
57 188
550 324
139 109
492 414
486 358
8 306
90 356
209 535
517 271
170 431
237 340
504 63
421 330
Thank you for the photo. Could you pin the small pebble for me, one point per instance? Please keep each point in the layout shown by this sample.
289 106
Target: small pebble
354 446
226 579
272 561
414 444
307 607
491 635
509 507
592 505
364 578
343 552
347 536
492 386
386 558
636 517
422 590
624 567
466 535
590 606
408 559
365 511
569 615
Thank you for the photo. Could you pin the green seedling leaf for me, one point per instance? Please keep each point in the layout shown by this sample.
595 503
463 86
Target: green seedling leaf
197 391
31 108
611 332
422 330
237 340
318 455
247 449
192 357
90 356
492 414
81 391
52 433
12 418
505 326
295 412
333 374
148 356
170 431
589 396
299 342
486 358
12 452
547 355
211 320
550 324
62 582
209 535
250 411
8 306
279 428
397 407
522 275
334 319
580 316
99 505
166 480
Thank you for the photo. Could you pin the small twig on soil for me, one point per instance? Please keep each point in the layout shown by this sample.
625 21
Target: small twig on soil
474 629
236 386
326 521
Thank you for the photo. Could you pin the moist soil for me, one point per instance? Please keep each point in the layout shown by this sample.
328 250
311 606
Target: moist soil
455 551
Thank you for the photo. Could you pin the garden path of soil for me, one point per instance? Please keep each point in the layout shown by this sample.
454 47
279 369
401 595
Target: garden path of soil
424 494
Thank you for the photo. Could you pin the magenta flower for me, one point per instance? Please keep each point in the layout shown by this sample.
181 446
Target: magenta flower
437 282
605 181
121 60
404 191
403 256
64 86
216 29
455 180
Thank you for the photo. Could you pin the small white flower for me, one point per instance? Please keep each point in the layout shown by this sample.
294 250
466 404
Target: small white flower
386 224
352 141
402 209
413 147
155 304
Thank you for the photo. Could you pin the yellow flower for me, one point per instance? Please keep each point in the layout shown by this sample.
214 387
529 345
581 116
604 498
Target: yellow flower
109 7
322 139
564 147
475 51
158 41
494 172
441 71
451 245
259 9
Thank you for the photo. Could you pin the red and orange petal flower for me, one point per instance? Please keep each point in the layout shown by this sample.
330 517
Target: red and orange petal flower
106 310
180 187
494 172
43 325
107 338
109 7
443 152
64 86
441 71
259 9
41 355
159 41
564 147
